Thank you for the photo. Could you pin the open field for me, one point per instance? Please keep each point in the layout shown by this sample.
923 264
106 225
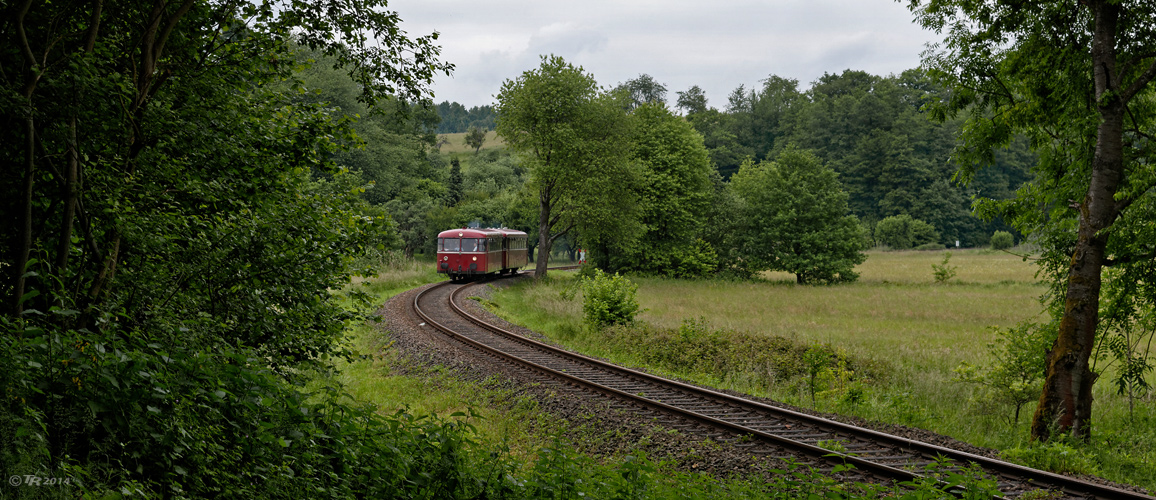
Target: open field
458 145
897 317
896 307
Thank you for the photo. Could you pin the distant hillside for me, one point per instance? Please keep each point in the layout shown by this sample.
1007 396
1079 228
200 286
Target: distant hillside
457 143
456 119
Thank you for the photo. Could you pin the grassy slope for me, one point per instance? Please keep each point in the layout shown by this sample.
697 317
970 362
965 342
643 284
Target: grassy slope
898 315
457 143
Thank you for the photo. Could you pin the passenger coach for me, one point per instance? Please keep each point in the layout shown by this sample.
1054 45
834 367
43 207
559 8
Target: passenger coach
465 253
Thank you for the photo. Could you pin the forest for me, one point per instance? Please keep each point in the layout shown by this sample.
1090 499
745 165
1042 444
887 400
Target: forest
187 184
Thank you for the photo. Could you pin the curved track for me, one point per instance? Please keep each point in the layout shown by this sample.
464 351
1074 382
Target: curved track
762 429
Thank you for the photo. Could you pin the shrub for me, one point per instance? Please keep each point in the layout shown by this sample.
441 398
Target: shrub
608 299
942 271
1002 240
901 232
1014 376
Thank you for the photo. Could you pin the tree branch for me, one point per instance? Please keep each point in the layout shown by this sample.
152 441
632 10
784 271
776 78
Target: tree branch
1139 84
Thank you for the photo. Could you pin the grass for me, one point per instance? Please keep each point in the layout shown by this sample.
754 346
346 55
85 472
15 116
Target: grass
374 376
896 316
457 143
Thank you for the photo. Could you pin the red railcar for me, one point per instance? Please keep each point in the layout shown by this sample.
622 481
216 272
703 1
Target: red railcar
465 253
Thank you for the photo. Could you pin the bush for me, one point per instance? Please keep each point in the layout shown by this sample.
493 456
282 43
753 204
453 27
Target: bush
608 299
901 232
942 271
1002 240
1014 376
745 359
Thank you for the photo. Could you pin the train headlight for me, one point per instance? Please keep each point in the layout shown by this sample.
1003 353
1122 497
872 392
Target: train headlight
475 259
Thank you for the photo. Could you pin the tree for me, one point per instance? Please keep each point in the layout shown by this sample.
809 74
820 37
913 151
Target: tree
49 95
794 219
475 137
901 232
692 100
1076 78
642 90
171 236
454 190
576 142
673 195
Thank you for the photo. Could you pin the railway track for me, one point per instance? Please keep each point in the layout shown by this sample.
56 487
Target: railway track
761 429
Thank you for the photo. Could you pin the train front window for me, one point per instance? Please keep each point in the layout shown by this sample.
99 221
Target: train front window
451 244
473 245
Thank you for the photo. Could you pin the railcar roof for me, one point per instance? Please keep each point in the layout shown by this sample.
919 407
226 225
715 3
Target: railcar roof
479 233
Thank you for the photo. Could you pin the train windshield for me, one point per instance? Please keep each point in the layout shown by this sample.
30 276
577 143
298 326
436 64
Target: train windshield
450 244
473 245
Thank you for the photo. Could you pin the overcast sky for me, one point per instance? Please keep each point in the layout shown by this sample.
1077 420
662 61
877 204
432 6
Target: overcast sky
715 45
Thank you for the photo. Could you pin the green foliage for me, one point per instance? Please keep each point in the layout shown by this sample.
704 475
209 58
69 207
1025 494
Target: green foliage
575 140
187 423
454 189
943 477
793 218
475 137
943 271
455 118
1061 456
640 91
692 100
1002 240
815 360
1017 369
901 232
1037 68
188 212
724 355
673 194
608 299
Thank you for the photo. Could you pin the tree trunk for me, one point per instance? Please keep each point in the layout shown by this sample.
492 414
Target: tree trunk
23 236
69 194
544 240
1066 402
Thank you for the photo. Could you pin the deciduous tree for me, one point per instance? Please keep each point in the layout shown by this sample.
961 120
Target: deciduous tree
1076 78
673 193
576 140
475 137
692 100
642 90
794 218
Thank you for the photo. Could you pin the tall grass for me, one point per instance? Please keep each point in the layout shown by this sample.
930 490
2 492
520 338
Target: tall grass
895 317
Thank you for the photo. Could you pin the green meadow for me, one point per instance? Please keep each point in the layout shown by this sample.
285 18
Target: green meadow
457 143
910 330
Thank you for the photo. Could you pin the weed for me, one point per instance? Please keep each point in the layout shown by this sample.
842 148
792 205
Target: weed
1061 456
1042 495
835 445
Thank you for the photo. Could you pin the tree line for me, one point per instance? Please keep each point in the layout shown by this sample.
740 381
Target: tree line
455 118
